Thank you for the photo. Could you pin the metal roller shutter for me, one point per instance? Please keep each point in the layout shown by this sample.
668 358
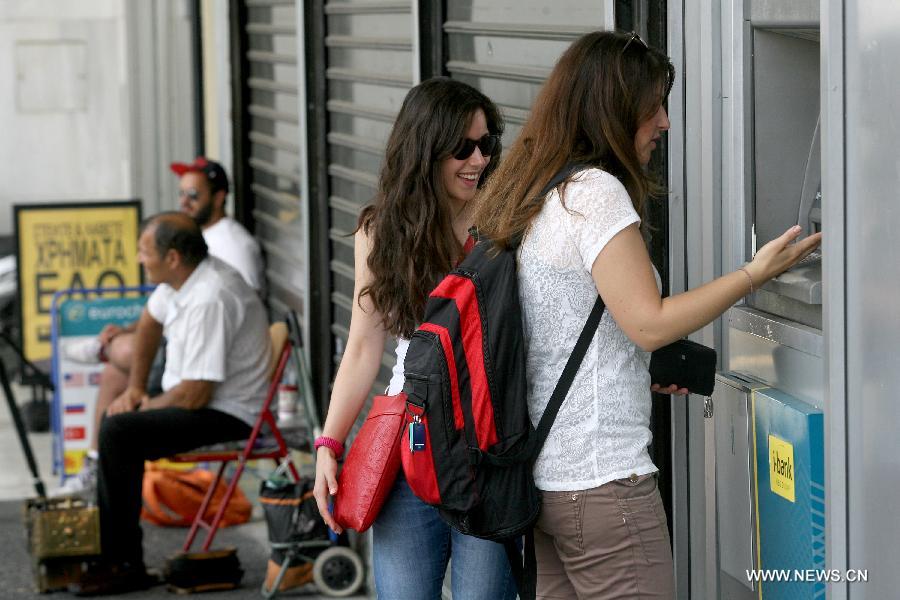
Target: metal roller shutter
506 48
269 149
369 70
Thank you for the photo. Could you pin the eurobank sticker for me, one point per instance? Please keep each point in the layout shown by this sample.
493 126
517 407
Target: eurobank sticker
76 392
781 468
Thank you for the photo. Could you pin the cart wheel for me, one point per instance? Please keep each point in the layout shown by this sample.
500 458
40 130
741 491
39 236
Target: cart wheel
338 572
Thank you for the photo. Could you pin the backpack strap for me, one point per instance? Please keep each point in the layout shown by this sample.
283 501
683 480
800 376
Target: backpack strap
523 573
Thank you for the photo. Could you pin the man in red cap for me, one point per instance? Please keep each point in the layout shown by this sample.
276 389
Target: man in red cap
202 191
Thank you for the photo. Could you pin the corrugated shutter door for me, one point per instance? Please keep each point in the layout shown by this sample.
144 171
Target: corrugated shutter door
369 71
274 155
506 48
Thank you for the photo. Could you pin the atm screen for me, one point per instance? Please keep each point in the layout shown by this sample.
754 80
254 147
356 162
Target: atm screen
787 174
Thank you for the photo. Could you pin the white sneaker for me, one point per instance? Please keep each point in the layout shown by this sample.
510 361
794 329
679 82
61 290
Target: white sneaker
82 484
84 351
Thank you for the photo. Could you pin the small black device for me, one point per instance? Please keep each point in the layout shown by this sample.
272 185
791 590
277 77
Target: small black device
687 364
416 437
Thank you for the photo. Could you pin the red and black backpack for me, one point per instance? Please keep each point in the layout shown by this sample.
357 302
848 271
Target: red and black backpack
471 447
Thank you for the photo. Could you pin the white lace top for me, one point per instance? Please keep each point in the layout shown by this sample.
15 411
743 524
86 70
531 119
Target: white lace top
602 430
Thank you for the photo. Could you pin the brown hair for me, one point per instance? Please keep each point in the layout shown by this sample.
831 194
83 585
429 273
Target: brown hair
410 223
588 112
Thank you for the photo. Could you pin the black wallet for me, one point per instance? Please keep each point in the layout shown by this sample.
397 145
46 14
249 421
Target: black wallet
687 364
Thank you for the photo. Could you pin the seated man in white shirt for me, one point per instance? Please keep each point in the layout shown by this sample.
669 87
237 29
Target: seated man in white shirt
214 385
202 192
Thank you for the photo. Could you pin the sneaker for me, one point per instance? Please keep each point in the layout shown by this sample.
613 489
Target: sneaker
83 484
87 351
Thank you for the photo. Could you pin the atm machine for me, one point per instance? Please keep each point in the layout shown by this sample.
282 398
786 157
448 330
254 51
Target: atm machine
766 449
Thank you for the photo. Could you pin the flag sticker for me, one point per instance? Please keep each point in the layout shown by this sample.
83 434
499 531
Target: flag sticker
73 433
72 380
75 409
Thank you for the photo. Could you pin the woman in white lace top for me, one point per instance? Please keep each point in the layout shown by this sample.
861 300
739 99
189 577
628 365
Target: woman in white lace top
602 532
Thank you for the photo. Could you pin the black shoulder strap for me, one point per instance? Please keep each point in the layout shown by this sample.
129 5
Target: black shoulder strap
568 376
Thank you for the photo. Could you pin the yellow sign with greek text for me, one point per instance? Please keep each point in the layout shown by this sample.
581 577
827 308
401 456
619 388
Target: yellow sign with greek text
781 467
71 246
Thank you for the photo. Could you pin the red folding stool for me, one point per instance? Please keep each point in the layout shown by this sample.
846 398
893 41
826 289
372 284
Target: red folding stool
281 353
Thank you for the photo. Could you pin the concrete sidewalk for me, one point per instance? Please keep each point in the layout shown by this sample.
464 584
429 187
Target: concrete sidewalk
16 484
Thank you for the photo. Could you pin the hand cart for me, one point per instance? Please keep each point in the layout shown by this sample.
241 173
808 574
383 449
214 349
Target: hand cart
302 536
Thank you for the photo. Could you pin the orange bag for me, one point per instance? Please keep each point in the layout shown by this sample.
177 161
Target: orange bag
171 498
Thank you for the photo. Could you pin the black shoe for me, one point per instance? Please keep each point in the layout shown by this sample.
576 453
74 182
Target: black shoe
104 579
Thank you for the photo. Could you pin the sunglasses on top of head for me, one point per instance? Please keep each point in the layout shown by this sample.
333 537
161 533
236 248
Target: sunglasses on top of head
634 37
488 144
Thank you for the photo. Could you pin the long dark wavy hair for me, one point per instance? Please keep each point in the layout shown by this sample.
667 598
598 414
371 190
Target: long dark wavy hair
409 224
589 110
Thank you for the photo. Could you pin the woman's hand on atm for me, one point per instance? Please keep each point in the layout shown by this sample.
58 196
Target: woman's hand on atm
781 254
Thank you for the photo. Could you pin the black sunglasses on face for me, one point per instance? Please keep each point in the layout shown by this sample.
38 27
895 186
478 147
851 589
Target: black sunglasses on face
488 145
634 37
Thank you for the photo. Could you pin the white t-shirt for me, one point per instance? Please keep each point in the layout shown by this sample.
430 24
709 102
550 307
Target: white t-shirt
602 430
397 377
230 241
216 330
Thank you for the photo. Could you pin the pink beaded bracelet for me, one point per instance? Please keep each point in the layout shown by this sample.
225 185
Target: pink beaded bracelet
330 443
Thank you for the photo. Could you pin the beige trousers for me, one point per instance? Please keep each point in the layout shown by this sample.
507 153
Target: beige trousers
608 542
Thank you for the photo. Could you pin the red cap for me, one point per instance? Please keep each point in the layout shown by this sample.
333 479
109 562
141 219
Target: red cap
214 172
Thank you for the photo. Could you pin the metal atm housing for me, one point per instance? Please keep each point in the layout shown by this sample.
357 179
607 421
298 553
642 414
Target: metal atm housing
772 170
785 113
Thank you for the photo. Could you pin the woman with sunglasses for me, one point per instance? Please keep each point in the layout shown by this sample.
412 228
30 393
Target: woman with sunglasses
444 144
602 531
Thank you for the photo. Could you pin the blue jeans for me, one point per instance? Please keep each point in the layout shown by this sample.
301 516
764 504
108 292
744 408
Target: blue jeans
412 544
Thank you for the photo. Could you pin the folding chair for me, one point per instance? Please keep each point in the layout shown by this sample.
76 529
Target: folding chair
281 353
